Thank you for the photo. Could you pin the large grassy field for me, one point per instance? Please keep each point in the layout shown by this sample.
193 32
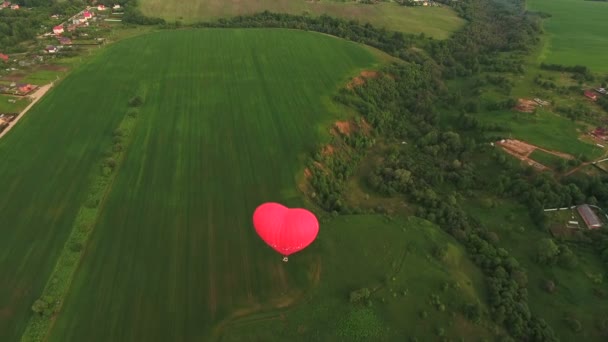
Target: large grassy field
577 30
227 119
397 261
437 22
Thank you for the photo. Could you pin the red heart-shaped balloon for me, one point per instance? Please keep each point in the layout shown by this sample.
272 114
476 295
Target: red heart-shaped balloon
286 230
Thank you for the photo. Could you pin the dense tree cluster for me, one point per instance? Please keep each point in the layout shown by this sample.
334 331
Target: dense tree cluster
494 27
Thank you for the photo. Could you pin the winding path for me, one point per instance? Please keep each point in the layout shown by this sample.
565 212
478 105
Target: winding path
35 97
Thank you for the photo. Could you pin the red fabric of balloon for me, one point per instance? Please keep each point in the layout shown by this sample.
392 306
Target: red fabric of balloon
286 230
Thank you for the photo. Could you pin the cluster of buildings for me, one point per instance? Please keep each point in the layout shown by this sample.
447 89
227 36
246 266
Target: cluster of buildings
593 94
7 5
17 89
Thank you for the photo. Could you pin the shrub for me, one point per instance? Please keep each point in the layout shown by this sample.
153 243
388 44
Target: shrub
136 101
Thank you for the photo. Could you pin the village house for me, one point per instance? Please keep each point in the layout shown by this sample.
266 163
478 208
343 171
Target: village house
5 4
58 29
50 49
87 15
590 218
601 91
55 16
15 7
591 95
4 57
25 88
600 133
101 8
116 6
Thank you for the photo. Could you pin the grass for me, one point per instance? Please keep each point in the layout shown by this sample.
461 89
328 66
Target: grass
544 129
577 33
228 118
575 288
547 159
437 22
395 260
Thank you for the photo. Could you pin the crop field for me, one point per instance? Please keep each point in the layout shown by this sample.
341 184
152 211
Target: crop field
544 129
437 22
575 295
576 32
47 160
396 261
227 119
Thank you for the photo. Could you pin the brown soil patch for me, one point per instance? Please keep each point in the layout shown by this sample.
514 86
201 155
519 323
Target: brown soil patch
53 67
369 74
519 147
307 173
344 127
13 77
328 150
360 80
525 106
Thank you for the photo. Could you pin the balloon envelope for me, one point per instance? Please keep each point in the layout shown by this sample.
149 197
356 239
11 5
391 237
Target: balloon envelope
286 230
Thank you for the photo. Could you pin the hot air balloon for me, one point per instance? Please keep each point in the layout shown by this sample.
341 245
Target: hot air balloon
286 230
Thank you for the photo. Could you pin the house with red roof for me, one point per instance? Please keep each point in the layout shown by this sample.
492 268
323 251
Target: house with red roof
87 15
591 95
101 7
5 4
25 88
58 29
3 57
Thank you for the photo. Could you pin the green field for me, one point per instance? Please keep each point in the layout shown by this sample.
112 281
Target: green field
437 22
228 118
395 260
544 129
577 32
47 160
550 160
574 296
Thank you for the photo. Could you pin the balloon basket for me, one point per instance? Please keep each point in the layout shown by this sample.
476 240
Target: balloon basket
285 259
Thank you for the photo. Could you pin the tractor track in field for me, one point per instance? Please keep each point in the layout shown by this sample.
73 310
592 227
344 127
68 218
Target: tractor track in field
273 311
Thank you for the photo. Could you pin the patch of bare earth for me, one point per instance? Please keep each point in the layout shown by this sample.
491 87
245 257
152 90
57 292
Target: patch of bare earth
525 106
360 79
328 150
14 77
343 127
54 67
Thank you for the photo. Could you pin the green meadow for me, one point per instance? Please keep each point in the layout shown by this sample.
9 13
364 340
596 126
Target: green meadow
414 291
545 129
228 118
577 32
437 22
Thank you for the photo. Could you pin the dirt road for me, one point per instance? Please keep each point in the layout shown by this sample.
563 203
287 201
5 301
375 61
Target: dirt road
35 97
